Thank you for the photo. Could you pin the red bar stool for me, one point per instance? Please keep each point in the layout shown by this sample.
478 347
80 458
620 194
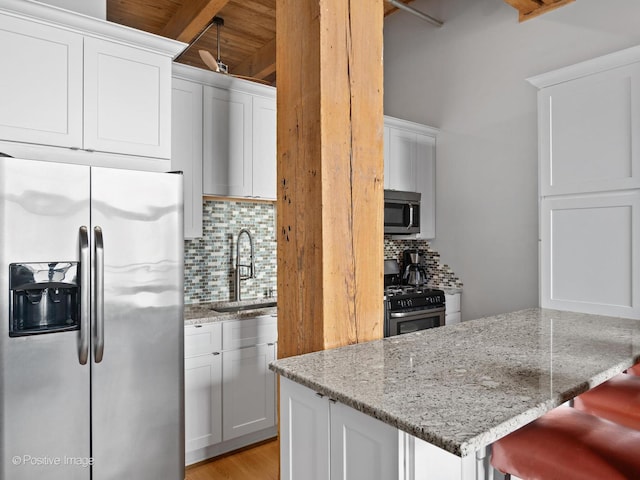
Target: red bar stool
635 370
568 444
617 400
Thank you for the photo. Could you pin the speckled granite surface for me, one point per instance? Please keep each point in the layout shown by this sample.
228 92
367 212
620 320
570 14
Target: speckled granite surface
205 312
463 386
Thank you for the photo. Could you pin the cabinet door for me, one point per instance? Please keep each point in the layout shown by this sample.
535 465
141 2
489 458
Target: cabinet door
590 253
202 401
248 391
304 433
426 184
264 148
590 133
227 152
402 160
186 149
362 448
127 100
40 84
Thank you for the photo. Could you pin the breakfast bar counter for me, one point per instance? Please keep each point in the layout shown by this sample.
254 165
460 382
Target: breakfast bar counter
462 387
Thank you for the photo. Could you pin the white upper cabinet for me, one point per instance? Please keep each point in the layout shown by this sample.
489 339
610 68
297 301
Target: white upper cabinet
410 165
589 128
426 184
41 83
227 142
127 100
186 150
264 148
239 154
84 84
403 160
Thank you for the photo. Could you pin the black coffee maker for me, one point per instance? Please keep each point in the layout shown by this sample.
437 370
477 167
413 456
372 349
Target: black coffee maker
414 272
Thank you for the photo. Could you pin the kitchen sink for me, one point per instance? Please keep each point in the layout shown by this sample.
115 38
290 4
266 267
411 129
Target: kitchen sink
242 308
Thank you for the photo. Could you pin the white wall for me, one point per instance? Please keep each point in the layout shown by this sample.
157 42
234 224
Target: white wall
468 78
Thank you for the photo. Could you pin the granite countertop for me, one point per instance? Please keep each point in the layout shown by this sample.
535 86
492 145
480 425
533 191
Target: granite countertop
200 313
461 387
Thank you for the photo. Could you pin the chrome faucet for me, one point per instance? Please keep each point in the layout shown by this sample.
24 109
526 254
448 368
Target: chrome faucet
251 266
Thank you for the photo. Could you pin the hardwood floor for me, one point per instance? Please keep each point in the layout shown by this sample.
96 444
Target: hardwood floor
256 463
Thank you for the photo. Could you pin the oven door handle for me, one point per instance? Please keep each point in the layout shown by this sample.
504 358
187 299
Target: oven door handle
416 313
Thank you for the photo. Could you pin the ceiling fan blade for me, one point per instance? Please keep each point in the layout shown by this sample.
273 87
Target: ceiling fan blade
208 60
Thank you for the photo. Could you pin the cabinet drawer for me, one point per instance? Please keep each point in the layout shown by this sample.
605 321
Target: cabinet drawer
249 332
202 339
452 303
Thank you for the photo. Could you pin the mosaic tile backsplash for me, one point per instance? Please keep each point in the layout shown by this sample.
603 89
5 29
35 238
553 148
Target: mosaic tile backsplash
439 274
209 262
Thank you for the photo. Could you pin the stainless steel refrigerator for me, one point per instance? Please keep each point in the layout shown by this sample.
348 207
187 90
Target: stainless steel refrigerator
91 323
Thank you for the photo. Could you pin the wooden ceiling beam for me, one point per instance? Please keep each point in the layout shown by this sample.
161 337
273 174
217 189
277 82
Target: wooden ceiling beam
259 65
192 17
262 64
533 8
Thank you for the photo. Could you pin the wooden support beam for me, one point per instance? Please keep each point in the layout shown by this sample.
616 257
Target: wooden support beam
259 65
263 63
192 17
533 8
330 173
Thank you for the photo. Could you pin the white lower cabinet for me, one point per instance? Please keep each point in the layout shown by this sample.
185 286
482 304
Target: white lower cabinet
452 313
230 396
248 392
321 439
324 439
203 400
361 447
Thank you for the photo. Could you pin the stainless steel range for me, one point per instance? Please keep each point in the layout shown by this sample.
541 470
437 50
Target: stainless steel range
409 308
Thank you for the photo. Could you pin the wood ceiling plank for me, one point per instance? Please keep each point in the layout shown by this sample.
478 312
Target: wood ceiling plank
192 18
261 64
524 6
547 7
533 8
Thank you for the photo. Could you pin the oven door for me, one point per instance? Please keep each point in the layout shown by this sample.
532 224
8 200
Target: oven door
412 321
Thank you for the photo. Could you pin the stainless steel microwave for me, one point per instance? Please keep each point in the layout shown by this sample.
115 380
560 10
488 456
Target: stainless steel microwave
401 212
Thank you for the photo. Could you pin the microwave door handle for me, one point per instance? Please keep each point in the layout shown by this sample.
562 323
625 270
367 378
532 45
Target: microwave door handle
410 217
98 301
85 295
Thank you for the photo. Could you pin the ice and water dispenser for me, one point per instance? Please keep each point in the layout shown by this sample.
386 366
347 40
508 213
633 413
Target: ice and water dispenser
45 298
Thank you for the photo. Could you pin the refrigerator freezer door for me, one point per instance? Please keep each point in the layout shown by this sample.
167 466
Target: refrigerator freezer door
44 389
137 386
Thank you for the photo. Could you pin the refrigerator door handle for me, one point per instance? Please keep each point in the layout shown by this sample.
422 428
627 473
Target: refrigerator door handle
98 300
85 292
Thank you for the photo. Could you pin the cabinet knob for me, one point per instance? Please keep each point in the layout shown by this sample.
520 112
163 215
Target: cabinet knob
215 353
